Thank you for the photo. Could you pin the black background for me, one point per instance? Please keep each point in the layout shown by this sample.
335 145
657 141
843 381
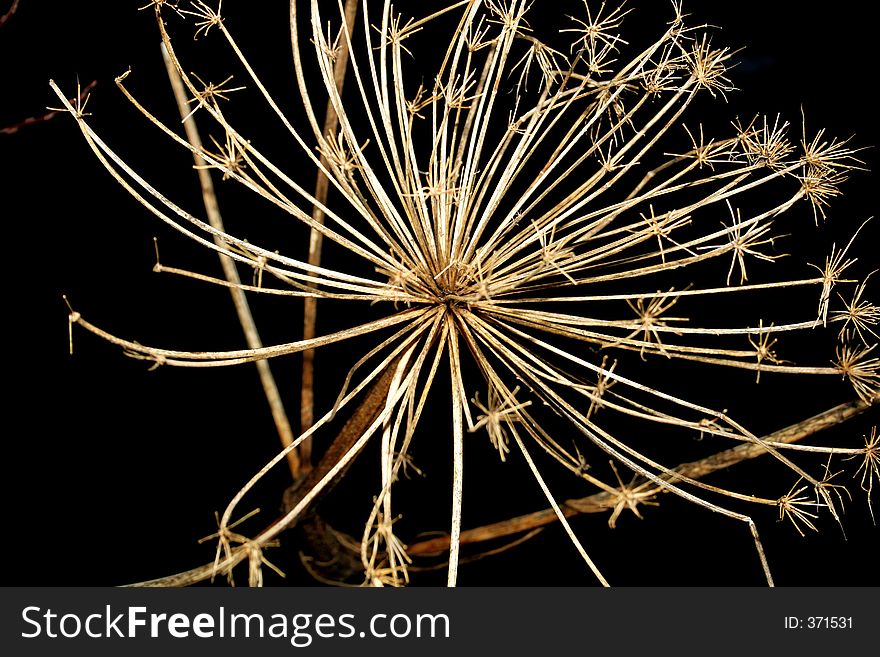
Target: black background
112 473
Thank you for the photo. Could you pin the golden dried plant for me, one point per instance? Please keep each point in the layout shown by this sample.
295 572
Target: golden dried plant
519 223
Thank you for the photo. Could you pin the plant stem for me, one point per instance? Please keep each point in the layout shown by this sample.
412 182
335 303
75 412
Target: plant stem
239 300
606 501
310 304
364 415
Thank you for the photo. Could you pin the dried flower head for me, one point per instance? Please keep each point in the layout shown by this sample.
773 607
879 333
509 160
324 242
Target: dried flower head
504 205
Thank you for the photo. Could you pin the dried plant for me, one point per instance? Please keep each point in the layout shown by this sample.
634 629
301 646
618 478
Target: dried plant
521 224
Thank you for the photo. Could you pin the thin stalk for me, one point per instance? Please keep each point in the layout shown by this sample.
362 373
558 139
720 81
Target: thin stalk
239 300
310 305
604 501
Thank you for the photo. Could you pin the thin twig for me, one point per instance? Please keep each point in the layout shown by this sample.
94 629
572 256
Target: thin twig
310 305
364 415
12 9
242 308
597 503
603 501
48 116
